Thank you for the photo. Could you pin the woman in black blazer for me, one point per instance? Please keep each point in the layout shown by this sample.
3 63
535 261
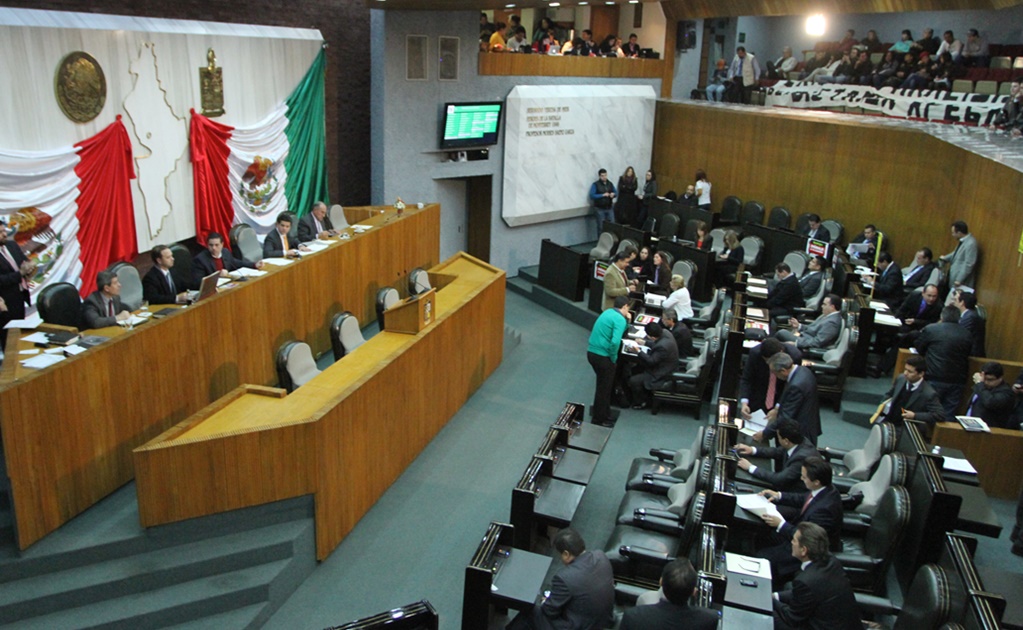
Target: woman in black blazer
661 276
728 262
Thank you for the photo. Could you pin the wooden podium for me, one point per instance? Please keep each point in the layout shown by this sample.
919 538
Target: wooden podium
412 314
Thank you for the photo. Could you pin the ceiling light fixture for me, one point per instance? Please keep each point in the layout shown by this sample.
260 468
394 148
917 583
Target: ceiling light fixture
816 25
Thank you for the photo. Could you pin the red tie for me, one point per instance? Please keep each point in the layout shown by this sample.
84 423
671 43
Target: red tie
772 389
809 497
10 261
110 308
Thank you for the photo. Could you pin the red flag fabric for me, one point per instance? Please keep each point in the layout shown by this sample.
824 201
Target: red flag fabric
209 150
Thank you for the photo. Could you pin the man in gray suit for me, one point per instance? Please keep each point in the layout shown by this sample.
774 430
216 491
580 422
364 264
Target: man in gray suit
824 330
912 398
582 593
103 306
659 363
963 259
798 402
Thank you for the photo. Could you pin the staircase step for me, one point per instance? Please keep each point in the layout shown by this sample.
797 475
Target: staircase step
164 607
530 273
125 576
238 619
520 286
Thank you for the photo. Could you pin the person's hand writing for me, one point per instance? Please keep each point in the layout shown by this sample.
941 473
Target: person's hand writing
123 315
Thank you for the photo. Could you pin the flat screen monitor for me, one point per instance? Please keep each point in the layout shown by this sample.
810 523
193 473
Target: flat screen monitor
470 124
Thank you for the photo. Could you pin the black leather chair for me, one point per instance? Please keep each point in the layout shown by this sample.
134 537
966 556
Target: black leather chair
345 334
181 272
60 304
689 231
867 551
688 386
670 504
295 365
853 466
668 228
753 212
418 281
677 464
637 553
803 222
730 211
927 604
671 195
780 218
386 298
649 224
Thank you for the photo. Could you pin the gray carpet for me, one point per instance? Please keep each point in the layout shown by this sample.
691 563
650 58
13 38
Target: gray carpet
416 540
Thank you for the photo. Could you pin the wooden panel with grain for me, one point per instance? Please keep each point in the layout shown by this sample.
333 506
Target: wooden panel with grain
510 64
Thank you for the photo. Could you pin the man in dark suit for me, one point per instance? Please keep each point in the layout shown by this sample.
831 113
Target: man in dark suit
683 336
277 244
888 283
216 258
945 347
821 503
811 281
757 380
966 302
815 230
918 310
316 224
103 306
868 238
672 612
15 272
157 285
789 456
582 593
786 294
798 401
992 400
920 273
912 398
821 597
821 332
659 363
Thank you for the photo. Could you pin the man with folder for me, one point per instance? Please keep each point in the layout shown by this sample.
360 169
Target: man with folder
912 398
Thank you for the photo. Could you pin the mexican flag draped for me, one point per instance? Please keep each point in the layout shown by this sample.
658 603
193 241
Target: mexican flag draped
250 175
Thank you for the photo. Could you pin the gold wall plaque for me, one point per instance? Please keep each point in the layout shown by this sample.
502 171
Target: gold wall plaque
80 86
211 86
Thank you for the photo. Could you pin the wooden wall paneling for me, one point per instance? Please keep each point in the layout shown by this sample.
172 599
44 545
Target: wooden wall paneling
727 8
68 431
910 184
508 64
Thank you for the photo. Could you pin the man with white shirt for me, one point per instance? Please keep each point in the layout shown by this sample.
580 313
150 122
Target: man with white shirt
811 281
821 595
912 398
780 68
920 272
316 224
793 449
822 332
216 258
103 306
952 46
158 286
815 230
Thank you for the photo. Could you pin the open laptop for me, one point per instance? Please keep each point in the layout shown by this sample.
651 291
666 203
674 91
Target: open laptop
206 289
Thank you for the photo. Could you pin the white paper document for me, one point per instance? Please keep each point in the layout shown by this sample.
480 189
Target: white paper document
631 347
29 323
36 338
756 291
279 262
885 319
857 248
755 567
878 306
29 352
316 246
756 504
245 272
41 361
958 464
756 422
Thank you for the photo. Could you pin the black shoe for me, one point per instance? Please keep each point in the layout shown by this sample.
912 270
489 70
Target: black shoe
615 413
604 423
641 405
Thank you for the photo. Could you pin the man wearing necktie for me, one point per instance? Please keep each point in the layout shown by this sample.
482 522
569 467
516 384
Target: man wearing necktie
277 244
103 306
992 400
158 286
793 449
744 72
15 272
962 270
888 284
316 224
912 398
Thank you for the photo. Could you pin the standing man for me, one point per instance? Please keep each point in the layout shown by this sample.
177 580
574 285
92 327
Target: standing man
672 612
602 353
15 273
158 285
786 294
744 73
822 332
946 350
659 363
316 224
602 196
962 270
969 319
216 258
276 244
759 388
103 306
912 398
616 282
821 595
798 402
582 592
992 400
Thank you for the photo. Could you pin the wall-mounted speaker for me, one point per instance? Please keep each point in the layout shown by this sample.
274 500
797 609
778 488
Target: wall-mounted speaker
685 37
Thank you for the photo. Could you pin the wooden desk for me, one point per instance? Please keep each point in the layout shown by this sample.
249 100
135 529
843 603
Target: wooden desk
68 431
344 436
995 455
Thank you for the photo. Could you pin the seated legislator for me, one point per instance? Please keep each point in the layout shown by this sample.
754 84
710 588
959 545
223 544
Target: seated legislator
793 449
918 274
679 301
672 611
820 503
728 262
582 592
912 398
759 388
276 244
659 363
815 230
316 224
810 283
917 311
822 332
868 238
799 401
821 597
888 283
992 400
103 306
216 258
683 336
786 294
157 285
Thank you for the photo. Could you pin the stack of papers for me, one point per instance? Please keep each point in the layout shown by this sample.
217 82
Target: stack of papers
316 246
44 360
631 347
756 422
245 272
754 567
279 262
756 504
29 323
361 227
886 319
878 306
957 464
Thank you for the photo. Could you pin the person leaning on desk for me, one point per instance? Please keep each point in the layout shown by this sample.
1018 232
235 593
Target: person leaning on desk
103 306
216 258
316 224
276 244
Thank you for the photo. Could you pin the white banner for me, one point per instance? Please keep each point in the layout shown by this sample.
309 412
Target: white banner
935 105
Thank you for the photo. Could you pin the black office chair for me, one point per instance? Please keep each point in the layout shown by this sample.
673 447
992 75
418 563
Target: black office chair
689 232
867 552
131 284
345 334
386 298
803 222
927 604
780 218
295 365
668 227
650 224
671 195
637 553
730 211
418 281
60 304
181 272
753 212
244 243
677 464
672 503
850 467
